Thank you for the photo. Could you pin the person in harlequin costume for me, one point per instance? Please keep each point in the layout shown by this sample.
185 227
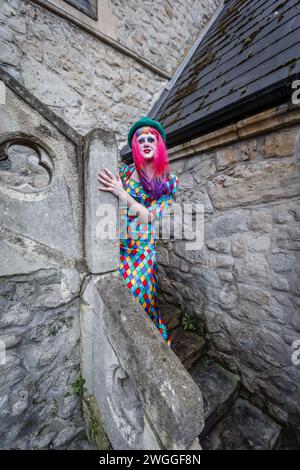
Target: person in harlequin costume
147 188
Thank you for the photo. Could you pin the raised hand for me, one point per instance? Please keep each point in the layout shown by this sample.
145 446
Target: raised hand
112 184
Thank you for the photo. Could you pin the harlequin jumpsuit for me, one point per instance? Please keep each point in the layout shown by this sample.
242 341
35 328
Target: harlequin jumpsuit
138 260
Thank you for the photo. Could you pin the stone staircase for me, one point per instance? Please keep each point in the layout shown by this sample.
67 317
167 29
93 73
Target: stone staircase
231 422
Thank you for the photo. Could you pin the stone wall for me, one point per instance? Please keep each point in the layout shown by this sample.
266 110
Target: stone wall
41 272
121 348
160 31
91 84
147 399
65 343
242 287
39 322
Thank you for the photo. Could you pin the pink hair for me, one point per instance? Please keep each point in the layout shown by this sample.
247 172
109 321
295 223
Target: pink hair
157 185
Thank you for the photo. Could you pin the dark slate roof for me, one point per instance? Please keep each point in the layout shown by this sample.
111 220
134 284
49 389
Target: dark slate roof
251 51
245 63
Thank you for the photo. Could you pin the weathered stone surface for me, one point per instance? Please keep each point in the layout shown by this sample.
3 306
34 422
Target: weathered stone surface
40 297
288 239
171 315
133 335
223 261
198 196
94 424
110 88
220 245
188 346
112 405
174 260
10 54
258 182
163 256
204 170
253 267
102 242
281 143
62 96
251 323
219 389
41 363
160 28
284 262
248 150
184 267
20 255
227 224
226 276
81 443
226 157
170 293
12 371
186 181
242 244
245 427
65 436
254 294
261 220
188 293
57 205
246 277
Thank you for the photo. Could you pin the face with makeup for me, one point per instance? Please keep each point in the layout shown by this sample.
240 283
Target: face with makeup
147 144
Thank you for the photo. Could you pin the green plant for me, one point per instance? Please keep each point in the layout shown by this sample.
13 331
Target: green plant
209 360
78 387
188 323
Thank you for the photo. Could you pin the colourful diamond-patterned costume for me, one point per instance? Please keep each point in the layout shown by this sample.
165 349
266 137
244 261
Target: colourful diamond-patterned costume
138 261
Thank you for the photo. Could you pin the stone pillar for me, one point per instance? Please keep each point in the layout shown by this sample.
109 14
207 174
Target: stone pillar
101 207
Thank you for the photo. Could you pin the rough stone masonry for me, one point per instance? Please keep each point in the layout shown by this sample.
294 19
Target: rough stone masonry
89 84
243 287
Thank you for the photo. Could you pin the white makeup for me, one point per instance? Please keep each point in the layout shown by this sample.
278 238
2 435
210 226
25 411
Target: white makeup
147 144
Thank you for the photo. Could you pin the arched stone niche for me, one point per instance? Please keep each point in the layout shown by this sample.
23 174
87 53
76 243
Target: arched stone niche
25 166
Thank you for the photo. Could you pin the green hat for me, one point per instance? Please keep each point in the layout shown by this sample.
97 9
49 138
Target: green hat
145 122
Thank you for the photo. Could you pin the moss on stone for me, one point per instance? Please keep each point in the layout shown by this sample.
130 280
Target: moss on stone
94 424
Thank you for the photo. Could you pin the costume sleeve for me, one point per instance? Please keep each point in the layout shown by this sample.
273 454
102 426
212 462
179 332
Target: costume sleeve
123 168
158 207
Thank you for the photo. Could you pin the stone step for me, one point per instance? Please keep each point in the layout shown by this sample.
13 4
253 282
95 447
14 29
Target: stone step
244 427
171 315
188 346
219 389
